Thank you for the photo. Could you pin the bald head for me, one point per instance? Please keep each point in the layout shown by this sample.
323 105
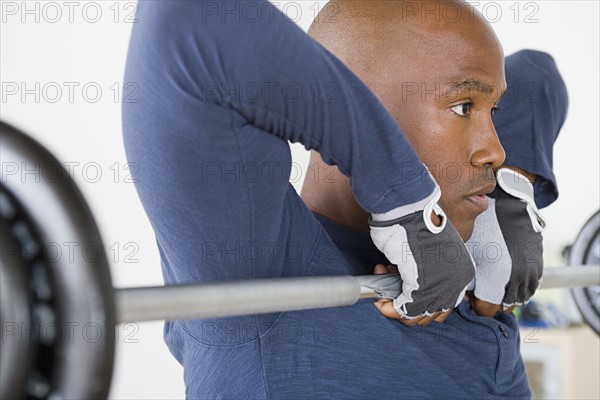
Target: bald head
438 68
370 36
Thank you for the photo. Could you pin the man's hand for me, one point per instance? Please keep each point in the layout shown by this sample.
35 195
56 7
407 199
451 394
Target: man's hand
386 307
432 260
507 246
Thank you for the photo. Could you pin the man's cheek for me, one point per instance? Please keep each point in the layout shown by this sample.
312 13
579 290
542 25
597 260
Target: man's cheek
447 202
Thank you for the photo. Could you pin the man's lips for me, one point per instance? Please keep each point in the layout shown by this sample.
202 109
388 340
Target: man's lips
479 200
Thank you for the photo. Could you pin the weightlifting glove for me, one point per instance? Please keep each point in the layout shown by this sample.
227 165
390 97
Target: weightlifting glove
434 263
507 243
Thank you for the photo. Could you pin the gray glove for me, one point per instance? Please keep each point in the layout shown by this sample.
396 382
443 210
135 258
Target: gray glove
507 243
433 261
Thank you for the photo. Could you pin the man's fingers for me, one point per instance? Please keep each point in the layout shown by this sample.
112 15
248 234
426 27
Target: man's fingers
484 308
381 269
509 310
427 320
386 307
442 317
437 317
393 269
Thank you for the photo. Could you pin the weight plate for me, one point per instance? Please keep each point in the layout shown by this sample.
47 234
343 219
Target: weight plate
77 325
15 308
586 250
29 309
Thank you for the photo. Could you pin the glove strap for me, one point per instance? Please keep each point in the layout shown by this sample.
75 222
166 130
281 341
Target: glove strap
426 206
517 185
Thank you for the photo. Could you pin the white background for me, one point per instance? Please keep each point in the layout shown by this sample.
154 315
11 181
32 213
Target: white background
52 50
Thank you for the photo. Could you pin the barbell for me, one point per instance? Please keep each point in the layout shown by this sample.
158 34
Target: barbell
42 294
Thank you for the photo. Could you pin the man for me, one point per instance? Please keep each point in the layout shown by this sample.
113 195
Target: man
414 92
211 156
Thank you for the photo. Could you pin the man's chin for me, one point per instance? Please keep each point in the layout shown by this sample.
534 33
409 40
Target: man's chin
466 235
464 226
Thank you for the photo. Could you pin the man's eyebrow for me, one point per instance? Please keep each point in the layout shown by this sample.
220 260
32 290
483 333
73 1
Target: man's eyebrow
469 85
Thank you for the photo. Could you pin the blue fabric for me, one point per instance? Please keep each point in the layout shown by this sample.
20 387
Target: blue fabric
530 116
262 70
213 177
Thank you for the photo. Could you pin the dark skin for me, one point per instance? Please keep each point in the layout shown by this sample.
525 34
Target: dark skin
460 64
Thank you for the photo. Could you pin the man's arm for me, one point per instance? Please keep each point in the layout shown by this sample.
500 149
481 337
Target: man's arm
250 57
227 83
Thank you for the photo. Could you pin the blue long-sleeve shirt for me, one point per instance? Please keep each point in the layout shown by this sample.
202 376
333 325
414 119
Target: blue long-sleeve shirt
219 97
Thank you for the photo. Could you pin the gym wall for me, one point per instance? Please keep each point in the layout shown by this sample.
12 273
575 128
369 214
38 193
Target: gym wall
68 69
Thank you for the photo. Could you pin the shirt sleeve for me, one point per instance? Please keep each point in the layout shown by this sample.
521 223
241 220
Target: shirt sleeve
250 57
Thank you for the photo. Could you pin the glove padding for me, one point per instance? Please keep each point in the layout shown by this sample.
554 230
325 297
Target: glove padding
507 243
433 261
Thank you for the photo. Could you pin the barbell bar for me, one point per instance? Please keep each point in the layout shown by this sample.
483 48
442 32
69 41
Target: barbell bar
38 291
230 299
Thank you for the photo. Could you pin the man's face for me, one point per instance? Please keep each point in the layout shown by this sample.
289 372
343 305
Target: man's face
445 109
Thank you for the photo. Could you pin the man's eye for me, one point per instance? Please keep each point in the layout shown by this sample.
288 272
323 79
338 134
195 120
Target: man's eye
462 109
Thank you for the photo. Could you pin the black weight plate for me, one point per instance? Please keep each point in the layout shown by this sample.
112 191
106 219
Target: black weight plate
586 250
15 309
28 305
81 319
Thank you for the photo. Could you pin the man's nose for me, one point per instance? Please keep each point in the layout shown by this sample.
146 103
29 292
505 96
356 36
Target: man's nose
488 152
